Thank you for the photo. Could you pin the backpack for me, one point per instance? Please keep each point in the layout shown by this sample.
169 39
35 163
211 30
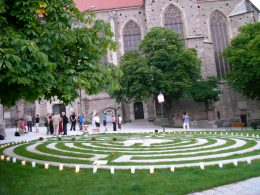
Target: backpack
16 134
2 137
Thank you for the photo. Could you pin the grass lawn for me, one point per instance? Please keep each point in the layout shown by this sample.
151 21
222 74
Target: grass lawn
18 179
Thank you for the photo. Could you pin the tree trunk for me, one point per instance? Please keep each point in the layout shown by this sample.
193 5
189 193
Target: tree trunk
169 108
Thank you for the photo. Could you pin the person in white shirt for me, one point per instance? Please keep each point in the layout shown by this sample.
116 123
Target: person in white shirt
119 122
97 121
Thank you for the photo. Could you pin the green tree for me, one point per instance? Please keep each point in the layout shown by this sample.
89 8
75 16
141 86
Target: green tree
244 55
163 65
43 56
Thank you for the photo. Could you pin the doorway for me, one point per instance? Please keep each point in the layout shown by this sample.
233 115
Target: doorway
139 110
243 119
58 108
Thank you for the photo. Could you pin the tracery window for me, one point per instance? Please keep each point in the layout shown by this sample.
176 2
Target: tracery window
173 19
131 36
219 35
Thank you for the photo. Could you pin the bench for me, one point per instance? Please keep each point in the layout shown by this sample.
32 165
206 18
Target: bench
239 125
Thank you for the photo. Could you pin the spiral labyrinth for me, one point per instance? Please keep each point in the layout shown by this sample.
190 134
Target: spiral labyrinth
141 151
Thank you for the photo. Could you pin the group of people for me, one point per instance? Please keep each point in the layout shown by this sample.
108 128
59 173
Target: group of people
56 124
25 124
117 122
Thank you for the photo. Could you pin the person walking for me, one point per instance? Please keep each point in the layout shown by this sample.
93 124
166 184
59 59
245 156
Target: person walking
37 122
105 121
119 123
65 121
73 121
186 122
114 122
29 122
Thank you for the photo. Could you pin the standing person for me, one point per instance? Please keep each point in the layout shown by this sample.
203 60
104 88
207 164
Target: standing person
105 121
81 120
37 122
60 125
65 121
29 122
119 122
97 121
47 124
186 121
73 121
114 122
56 121
51 124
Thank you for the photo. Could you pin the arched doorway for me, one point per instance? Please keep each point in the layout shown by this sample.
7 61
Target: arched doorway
109 111
58 108
139 110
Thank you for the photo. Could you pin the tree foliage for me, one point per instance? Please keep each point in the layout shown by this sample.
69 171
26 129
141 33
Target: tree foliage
164 65
244 56
43 56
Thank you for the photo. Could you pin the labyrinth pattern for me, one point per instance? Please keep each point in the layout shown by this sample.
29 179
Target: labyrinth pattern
143 150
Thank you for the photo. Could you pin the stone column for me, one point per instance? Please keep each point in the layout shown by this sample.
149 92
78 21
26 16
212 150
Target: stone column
2 122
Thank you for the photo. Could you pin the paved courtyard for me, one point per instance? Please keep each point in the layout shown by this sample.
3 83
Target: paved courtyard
147 149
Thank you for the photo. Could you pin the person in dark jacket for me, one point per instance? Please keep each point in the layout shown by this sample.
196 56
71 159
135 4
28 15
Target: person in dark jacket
73 121
65 121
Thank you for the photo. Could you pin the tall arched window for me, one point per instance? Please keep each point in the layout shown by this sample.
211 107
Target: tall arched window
173 19
219 35
132 36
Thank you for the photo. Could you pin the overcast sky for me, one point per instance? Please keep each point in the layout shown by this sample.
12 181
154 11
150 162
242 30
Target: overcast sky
256 3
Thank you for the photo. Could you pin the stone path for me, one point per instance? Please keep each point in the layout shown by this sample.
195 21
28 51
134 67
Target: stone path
247 187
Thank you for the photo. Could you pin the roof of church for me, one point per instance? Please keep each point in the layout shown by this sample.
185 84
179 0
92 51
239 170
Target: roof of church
106 4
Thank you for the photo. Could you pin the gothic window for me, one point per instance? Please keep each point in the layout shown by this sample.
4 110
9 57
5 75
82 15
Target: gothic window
132 36
173 19
219 35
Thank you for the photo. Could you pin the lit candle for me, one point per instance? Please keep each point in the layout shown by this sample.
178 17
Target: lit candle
14 160
248 160
112 170
202 166
60 167
132 170
235 162
220 164
2 157
33 164
46 165
172 168
151 170
8 158
95 169
77 169
23 162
